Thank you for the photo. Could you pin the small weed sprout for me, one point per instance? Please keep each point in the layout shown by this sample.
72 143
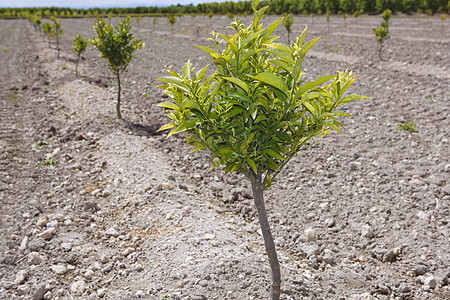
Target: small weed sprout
382 31
13 99
409 126
79 46
117 45
42 144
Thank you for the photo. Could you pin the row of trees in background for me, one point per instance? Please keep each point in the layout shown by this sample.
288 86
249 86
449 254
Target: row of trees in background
244 7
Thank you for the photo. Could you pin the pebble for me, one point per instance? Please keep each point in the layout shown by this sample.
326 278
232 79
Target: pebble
48 295
404 288
34 258
112 232
66 246
47 234
101 293
59 269
39 293
78 287
42 221
89 274
21 276
23 244
367 231
330 222
23 290
209 236
328 257
430 281
310 234
420 270
389 256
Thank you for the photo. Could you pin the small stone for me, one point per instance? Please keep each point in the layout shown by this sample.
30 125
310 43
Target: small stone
112 232
34 258
209 236
48 295
58 217
420 270
59 269
23 290
42 221
21 276
430 281
66 246
367 231
101 293
330 222
52 223
78 287
140 294
89 274
39 293
404 288
328 257
389 256
23 244
47 234
445 281
310 234
128 251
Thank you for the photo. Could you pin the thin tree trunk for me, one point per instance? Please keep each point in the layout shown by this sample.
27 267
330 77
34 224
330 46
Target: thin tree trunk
76 66
57 45
275 288
379 51
119 115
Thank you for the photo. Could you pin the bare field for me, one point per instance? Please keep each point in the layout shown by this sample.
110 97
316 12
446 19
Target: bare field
128 214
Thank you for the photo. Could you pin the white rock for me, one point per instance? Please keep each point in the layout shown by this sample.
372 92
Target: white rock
78 287
42 221
310 234
89 274
59 269
23 245
101 293
21 276
112 232
47 234
209 236
66 246
23 290
367 232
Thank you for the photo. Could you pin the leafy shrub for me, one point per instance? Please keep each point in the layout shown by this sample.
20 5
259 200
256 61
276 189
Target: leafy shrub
117 45
408 126
256 111
382 31
57 32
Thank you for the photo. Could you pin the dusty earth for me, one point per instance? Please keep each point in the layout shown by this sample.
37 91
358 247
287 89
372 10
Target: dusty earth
127 214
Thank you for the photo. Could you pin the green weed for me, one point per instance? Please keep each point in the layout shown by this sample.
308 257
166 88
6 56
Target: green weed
48 163
407 126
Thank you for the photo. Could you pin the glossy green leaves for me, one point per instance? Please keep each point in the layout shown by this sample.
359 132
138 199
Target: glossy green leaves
255 112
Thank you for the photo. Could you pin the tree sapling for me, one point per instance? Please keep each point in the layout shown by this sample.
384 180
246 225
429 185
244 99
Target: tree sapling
255 112
287 22
79 46
382 31
117 45
57 32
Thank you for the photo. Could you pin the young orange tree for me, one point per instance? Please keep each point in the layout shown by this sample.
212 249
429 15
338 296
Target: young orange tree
79 46
256 111
117 45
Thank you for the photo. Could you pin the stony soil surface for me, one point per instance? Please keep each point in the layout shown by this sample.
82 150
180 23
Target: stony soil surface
128 214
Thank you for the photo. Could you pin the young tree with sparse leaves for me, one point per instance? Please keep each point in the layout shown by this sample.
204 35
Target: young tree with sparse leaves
47 29
117 45
382 31
288 20
57 32
171 19
79 46
256 111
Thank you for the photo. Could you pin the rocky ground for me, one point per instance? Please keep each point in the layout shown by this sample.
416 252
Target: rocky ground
93 207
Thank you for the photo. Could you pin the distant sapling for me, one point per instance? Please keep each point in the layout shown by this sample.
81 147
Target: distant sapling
382 31
47 29
255 112
171 19
79 46
117 45
57 32
287 22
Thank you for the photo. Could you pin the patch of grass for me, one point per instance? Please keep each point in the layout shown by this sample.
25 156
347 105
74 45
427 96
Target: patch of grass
42 144
5 49
64 67
166 295
407 126
14 100
48 163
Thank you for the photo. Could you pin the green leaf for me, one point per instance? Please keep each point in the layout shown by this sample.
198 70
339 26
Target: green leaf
282 47
273 80
167 126
312 84
307 46
169 105
273 153
187 70
238 82
252 165
349 98
175 81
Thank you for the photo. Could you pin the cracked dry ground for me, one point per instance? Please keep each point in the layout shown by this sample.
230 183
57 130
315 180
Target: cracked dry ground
127 214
